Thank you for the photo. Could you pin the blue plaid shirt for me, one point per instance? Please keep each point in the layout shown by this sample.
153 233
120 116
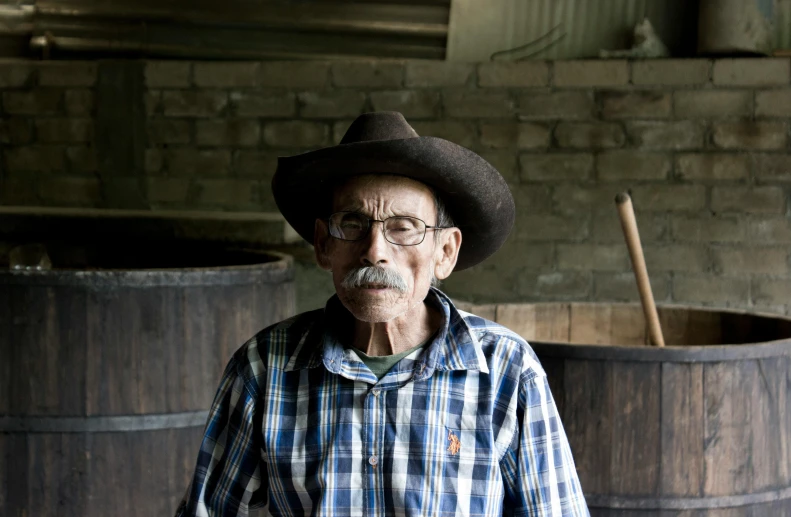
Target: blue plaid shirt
463 427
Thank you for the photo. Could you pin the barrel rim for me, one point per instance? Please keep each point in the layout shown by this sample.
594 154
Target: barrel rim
273 272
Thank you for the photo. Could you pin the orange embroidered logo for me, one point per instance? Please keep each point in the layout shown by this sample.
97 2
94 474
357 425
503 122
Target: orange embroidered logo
455 444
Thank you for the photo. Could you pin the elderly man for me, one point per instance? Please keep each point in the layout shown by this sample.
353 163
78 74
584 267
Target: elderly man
388 401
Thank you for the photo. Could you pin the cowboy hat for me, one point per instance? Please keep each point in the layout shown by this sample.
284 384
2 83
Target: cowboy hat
475 194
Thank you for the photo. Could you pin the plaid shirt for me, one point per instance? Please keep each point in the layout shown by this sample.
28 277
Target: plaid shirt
464 427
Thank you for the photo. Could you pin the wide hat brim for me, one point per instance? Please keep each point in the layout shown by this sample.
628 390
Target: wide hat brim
475 194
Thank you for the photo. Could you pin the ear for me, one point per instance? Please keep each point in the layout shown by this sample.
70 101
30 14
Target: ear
321 236
447 252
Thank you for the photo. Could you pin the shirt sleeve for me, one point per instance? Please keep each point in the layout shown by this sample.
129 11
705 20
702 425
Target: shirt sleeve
538 470
229 477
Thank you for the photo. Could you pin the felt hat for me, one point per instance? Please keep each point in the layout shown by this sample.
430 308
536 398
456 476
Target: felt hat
474 193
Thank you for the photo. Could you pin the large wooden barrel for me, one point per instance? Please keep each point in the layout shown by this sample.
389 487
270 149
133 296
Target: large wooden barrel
699 428
108 365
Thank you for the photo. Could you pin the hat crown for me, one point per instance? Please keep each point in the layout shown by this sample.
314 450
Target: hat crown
383 125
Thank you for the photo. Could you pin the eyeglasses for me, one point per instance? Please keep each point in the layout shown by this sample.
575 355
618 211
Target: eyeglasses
400 230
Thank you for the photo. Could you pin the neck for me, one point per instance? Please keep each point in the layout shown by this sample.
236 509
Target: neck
399 334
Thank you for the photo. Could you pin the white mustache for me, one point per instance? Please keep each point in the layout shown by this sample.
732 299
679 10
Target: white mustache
374 275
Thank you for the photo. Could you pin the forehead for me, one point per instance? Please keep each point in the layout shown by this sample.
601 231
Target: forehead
396 190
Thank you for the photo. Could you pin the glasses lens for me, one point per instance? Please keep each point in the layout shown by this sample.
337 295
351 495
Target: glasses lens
404 230
348 226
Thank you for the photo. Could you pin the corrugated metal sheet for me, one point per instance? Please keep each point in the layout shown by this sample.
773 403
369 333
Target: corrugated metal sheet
243 29
563 29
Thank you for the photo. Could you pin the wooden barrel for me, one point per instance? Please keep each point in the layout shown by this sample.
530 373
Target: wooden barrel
700 428
108 365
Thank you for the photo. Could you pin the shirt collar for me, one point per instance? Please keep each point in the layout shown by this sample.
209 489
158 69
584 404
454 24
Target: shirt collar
455 346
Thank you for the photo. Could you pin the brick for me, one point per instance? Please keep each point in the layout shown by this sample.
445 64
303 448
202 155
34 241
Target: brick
190 162
420 74
69 73
34 158
194 103
226 192
484 283
749 134
670 72
773 103
16 130
35 102
607 228
516 255
775 230
295 133
708 229
165 131
595 257
167 74
16 75
751 72
512 74
676 257
532 199
167 190
622 287
81 159
584 200
225 74
368 74
771 291
669 197
272 104
640 104
712 103
550 228
558 105
462 133
685 134
410 103
64 130
594 72
478 104
576 166
632 166
337 104
339 130
228 132
712 167
505 162
558 285
19 192
772 167
79 102
589 135
312 75
710 289
738 262
153 102
260 164
756 200
153 160
510 134
72 191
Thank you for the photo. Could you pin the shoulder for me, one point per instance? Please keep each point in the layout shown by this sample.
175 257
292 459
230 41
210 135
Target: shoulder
504 349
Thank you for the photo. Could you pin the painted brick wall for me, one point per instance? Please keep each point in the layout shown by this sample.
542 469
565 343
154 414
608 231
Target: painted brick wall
702 145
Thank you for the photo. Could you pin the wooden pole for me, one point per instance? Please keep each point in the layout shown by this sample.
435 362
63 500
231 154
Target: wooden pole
629 225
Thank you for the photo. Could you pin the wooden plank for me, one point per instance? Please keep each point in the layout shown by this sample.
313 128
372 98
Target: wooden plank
770 436
537 322
7 349
15 474
590 324
636 429
588 419
682 430
69 347
727 431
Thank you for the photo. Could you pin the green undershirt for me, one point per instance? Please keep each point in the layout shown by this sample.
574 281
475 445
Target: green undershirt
381 364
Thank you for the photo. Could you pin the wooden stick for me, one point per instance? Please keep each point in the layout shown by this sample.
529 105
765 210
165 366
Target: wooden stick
629 225
782 52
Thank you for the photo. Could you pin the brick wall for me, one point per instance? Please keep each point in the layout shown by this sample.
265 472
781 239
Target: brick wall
702 145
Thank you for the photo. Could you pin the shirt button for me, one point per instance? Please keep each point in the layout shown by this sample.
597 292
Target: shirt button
373 461
375 393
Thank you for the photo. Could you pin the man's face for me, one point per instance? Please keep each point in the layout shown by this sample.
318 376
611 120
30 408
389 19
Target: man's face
380 197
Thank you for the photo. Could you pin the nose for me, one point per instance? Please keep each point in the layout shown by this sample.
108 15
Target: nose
375 246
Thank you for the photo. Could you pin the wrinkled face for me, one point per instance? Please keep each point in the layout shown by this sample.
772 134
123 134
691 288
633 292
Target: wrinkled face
380 197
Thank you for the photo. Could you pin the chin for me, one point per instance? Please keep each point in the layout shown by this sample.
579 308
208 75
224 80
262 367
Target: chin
374 307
